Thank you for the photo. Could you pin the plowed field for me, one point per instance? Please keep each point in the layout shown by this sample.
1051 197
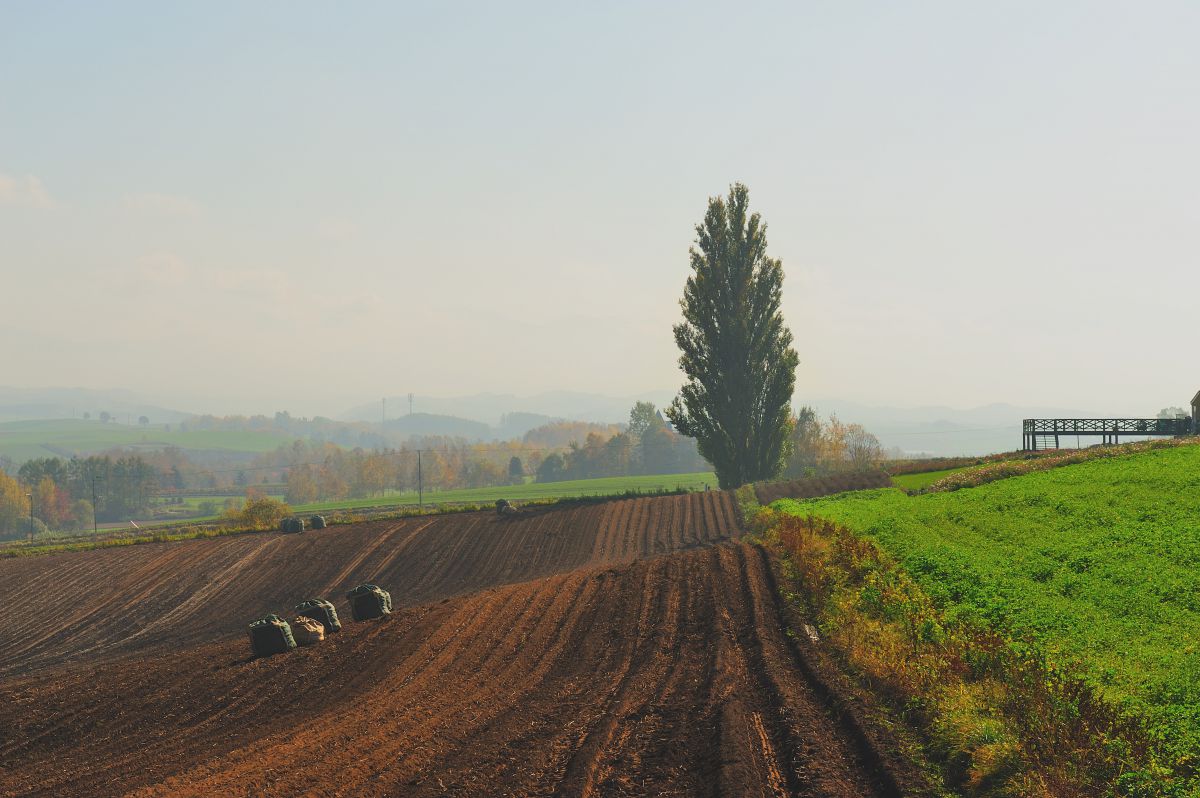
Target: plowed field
113 601
545 655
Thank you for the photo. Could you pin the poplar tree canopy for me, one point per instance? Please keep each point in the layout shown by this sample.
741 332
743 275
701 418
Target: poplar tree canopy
736 352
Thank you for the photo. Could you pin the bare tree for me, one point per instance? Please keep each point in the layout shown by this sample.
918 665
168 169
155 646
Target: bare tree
862 448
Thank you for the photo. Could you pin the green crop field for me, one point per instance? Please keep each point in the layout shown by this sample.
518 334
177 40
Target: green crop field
24 440
1098 562
922 481
606 486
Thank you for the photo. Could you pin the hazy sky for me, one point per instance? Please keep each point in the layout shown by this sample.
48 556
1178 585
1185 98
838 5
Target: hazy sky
262 205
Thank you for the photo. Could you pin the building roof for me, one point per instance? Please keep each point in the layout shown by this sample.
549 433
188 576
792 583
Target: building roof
1196 400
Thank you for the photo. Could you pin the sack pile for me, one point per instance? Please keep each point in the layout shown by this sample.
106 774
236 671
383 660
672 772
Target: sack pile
307 631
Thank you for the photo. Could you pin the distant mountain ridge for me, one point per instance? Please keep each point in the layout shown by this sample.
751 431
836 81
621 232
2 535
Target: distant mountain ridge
492 408
923 430
32 404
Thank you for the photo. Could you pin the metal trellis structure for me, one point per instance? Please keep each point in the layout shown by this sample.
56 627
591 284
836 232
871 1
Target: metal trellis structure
1044 433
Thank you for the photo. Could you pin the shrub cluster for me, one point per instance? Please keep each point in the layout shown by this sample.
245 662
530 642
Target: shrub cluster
258 513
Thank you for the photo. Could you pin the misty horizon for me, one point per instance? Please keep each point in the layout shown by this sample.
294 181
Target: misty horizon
915 430
397 405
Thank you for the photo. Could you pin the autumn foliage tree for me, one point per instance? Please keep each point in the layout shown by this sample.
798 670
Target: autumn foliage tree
51 505
827 447
736 352
14 507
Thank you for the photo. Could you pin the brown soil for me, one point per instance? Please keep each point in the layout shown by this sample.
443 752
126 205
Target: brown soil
110 602
551 655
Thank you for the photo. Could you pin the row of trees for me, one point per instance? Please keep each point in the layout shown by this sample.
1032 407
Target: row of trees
105 417
313 471
647 446
320 471
357 474
61 492
127 484
816 448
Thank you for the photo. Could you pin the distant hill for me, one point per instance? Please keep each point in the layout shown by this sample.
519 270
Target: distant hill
30 404
931 430
511 426
515 425
25 440
429 424
522 411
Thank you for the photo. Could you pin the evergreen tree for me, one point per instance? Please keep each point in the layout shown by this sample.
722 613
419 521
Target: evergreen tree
736 351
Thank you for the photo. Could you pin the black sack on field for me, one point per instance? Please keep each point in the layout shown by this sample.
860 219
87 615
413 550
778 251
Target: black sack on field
369 601
270 635
291 524
316 522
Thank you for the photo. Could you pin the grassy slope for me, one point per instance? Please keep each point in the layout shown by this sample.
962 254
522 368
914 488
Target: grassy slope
22 440
1099 561
922 481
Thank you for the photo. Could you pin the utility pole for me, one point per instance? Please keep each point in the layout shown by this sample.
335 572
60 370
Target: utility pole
420 483
30 495
410 400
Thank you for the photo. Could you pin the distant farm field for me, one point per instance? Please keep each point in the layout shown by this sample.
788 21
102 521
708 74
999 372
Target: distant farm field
607 486
530 491
24 440
1099 563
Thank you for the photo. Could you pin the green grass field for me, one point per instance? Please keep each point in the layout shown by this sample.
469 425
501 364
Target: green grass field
24 440
1098 562
607 486
922 481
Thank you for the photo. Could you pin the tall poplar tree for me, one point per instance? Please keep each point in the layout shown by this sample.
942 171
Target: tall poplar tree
736 352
